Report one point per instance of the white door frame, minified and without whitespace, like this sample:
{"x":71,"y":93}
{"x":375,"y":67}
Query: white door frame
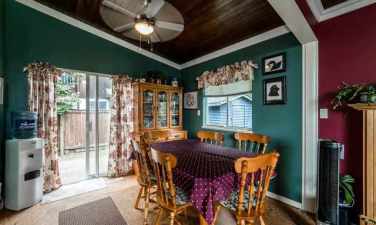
{"x":289,"y":11}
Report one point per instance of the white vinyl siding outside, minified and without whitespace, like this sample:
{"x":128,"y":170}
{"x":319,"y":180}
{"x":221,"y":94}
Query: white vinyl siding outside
{"x":229,"y":112}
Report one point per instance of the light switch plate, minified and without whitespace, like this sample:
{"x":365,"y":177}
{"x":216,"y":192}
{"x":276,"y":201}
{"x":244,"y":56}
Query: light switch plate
{"x":198,"y":113}
{"x":324,"y":114}
{"x":342,"y":154}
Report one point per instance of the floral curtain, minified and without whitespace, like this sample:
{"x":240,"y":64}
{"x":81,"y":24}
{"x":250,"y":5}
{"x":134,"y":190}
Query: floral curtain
{"x":42,"y":79}
{"x":121,"y":126}
{"x":227,"y":74}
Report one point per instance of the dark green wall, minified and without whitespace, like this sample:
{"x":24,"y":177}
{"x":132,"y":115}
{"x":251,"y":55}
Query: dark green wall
{"x":282,"y":122}
{"x":32,"y":36}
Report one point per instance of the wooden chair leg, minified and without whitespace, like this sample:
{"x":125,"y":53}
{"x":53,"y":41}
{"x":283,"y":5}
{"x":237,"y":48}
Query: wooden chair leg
{"x":186,"y":213}
{"x":139,"y":196}
{"x":146,"y":207}
{"x":216,"y":212}
{"x":160,"y":213}
{"x":178,"y":222}
{"x":262,"y":222}
{"x":172,"y":221}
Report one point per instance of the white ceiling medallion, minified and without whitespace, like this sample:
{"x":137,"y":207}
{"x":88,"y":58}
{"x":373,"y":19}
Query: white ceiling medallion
{"x":322,"y":14}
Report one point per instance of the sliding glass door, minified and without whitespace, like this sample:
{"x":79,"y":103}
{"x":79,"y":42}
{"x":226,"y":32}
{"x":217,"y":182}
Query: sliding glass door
{"x":87,"y":121}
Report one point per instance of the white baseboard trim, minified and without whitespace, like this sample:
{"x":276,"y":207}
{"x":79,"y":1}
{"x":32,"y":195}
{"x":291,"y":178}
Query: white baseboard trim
{"x":285,"y":200}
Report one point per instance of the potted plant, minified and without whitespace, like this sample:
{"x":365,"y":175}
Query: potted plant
{"x":346,"y":191}
{"x":346,"y":198}
{"x":346,"y":94}
{"x":371,"y":94}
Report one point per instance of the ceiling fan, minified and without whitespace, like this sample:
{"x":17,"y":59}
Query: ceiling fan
{"x":157,"y":20}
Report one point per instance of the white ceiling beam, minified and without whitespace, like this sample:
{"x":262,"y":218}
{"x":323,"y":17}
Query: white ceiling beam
{"x":294,"y":19}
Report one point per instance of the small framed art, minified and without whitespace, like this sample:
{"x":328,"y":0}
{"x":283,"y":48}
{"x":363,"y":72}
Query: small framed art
{"x":275,"y":91}
{"x":274,"y":64}
{"x":190,"y":100}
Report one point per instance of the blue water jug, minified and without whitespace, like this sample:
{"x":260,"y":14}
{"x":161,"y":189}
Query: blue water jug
{"x":24,"y":125}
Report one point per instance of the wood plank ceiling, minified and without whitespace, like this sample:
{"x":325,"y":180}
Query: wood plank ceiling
{"x":330,"y":3}
{"x":209,"y":24}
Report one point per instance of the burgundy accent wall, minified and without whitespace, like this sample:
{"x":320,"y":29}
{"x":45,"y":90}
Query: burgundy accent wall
{"x":347,"y":52}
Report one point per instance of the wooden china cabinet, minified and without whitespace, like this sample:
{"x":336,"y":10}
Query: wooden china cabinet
{"x":160,"y":110}
{"x":369,"y":161}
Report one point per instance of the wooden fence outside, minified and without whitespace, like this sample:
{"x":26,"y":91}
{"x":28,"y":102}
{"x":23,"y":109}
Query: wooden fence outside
{"x":72,"y":130}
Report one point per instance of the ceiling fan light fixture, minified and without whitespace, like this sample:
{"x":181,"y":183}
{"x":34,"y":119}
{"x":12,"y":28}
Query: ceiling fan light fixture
{"x":144,"y":26}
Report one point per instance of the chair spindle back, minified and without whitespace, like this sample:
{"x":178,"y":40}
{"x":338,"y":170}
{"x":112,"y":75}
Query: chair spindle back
{"x":254,"y":176}
{"x":163,"y":165}
{"x":210,"y":137}
{"x":250,"y":142}
{"x":143,"y":172}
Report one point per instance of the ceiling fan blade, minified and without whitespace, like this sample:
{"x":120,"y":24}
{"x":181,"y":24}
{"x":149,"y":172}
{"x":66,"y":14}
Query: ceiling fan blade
{"x":124,"y":28}
{"x":118,"y":8}
{"x":154,"y":7}
{"x":170,"y":26}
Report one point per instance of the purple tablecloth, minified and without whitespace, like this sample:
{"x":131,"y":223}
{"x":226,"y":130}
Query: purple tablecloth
{"x":206,"y":172}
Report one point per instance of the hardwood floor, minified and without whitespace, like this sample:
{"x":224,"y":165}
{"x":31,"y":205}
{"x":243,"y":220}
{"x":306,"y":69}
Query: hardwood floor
{"x":124,"y":191}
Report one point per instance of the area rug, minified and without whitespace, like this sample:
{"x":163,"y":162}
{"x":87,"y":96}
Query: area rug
{"x":70,"y":190}
{"x":100,"y":212}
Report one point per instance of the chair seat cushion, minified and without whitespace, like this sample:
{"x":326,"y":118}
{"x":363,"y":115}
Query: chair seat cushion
{"x":232,"y":202}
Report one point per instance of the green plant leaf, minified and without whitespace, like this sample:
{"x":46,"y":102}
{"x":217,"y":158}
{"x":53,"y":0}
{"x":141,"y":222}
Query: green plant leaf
{"x":345,"y":185}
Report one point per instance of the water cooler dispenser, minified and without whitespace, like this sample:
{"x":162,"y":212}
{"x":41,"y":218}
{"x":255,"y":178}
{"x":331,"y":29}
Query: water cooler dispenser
{"x":23,"y":163}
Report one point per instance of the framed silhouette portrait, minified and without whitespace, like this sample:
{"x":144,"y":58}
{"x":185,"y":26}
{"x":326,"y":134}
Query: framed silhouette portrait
{"x":275,"y":91}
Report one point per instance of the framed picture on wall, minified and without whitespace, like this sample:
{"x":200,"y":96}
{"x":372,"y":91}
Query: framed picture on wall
{"x":274,"y":64}
{"x":190,"y":100}
{"x":275,"y":92}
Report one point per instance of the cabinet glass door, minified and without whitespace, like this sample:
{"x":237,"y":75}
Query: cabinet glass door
{"x":162,"y":109}
{"x":148,"y":111}
{"x":175,"y":109}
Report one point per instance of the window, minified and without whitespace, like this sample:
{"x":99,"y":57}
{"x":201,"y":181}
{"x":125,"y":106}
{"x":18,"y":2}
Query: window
{"x":229,"y":112}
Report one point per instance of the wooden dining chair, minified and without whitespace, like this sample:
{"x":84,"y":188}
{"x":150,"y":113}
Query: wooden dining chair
{"x":211,"y":137}
{"x":247,"y":204}
{"x":249,"y":142}
{"x":169,"y":198}
{"x":145,"y":177}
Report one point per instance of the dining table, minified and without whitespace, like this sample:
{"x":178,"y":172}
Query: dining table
{"x":204,"y":171}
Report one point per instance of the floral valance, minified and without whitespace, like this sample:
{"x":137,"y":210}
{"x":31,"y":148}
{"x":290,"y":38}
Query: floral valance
{"x":227,"y":74}
{"x":39,"y":69}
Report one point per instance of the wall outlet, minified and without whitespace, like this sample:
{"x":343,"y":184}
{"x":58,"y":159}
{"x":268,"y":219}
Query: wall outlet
{"x":324,"y":114}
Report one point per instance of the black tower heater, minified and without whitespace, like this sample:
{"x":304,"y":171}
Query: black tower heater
{"x":328,"y":180}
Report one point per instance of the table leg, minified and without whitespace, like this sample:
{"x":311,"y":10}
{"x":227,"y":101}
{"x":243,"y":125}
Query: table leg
{"x":202,"y":220}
